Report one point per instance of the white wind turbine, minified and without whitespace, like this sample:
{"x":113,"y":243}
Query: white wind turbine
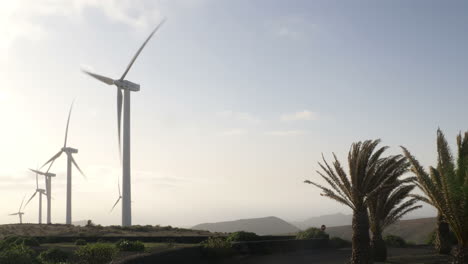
{"x":41,"y":192}
{"x":70,"y":160}
{"x":127,"y":87}
{"x":19,"y":213}
{"x":48,"y":182}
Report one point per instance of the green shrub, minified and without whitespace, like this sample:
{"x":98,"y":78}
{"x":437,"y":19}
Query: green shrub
{"x":432,"y":236}
{"x":217,"y":247}
{"x":312,"y":233}
{"x":126,"y":245}
{"x":242,"y":236}
{"x":16,"y":254}
{"x":337,"y":242}
{"x":15,"y":240}
{"x":80,"y":242}
{"x":394,"y":241}
{"x":96,"y":253}
{"x":53,"y":256}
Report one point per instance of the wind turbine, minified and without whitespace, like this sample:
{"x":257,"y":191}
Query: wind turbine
{"x":41,"y":192}
{"x":70,"y":160}
{"x":120,"y":197}
{"x":127,"y":87}
{"x":19,"y":213}
{"x":48,"y":182}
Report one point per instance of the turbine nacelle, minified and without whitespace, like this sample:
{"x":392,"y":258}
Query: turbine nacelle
{"x":69,"y":150}
{"x":127,"y":85}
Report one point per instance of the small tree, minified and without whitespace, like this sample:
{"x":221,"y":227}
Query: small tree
{"x":368,"y":175}
{"x":446,"y":187}
{"x":386,"y":209}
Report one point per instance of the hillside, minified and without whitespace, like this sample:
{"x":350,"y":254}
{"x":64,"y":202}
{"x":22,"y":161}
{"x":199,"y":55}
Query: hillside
{"x":261,"y":226}
{"x":338,"y":219}
{"x":70,"y":230}
{"x":414,"y":230}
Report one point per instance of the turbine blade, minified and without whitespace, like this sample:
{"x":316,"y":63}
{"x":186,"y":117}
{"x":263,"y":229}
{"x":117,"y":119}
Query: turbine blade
{"x":76,"y":165}
{"x":141,"y":48}
{"x":115,"y":205}
{"x":34,"y":194}
{"x":118,"y":182}
{"x":22,"y":203}
{"x":36,"y":171}
{"x":119,"y":118}
{"x":101,"y":78}
{"x":37,"y":182}
{"x":52,"y":160}
{"x":68,"y":122}
{"x":13,"y":214}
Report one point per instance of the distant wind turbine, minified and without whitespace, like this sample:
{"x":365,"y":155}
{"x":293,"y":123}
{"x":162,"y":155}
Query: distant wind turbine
{"x":70,"y":160}
{"x":126,"y":86}
{"x":19,"y":213}
{"x":48,"y":182}
{"x":41,"y":192}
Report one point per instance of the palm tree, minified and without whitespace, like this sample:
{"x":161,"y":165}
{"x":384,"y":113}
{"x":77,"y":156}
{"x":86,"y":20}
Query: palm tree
{"x":368,"y":175}
{"x":442,"y":242}
{"x":387,"y":208}
{"x":446,"y":187}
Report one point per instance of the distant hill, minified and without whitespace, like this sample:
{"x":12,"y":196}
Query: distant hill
{"x":414,"y":230}
{"x":261,"y":226}
{"x":328,"y":220}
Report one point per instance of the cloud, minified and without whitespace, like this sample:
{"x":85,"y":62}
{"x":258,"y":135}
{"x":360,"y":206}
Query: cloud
{"x":22,"y":18}
{"x":291,"y":26}
{"x":283,"y":133}
{"x":234,"y":132}
{"x":241,"y":116}
{"x":304,"y":115}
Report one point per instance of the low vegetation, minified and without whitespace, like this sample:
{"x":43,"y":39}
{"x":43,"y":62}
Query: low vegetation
{"x":217,"y":247}
{"x":126,"y":245}
{"x":242,"y":236}
{"x":53,"y":256}
{"x":312,"y":233}
{"x":98,"y":253}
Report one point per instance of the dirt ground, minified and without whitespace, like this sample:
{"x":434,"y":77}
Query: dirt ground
{"x":411,"y":255}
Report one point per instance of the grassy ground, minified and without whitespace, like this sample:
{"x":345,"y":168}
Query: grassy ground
{"x":101,"y":231}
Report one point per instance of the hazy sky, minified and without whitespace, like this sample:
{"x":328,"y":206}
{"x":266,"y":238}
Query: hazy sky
{"x":238,"y":99}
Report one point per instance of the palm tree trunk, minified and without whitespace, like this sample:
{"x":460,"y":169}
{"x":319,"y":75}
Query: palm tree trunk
{"x":442,"y":239}
{"x":379,"y":249}
{"x":460,"y":254}
{"x":361,"y":253}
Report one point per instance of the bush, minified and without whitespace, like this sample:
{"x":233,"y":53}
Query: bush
{"x":337,"y":242}
{"x":16,"y":254}
{"x":217,"y":247}
{"x":14,"y":240}
{"x":395,"y":241}
{"x":96,"y":253}
{"x":242,"y":236}
{"x":125,"y":245}
{"x":432,"y":236}
{"x":312,"y":233}
{"x":53,"y":256}
{"x":80,"y":242}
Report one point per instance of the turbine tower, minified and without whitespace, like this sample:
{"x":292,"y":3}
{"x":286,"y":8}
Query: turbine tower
{"x":126,"y":87}
{"x":48,"y":182}
{"x":70,"y":160}
{"x":41,"y":192}
{"x":19,"y":213}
